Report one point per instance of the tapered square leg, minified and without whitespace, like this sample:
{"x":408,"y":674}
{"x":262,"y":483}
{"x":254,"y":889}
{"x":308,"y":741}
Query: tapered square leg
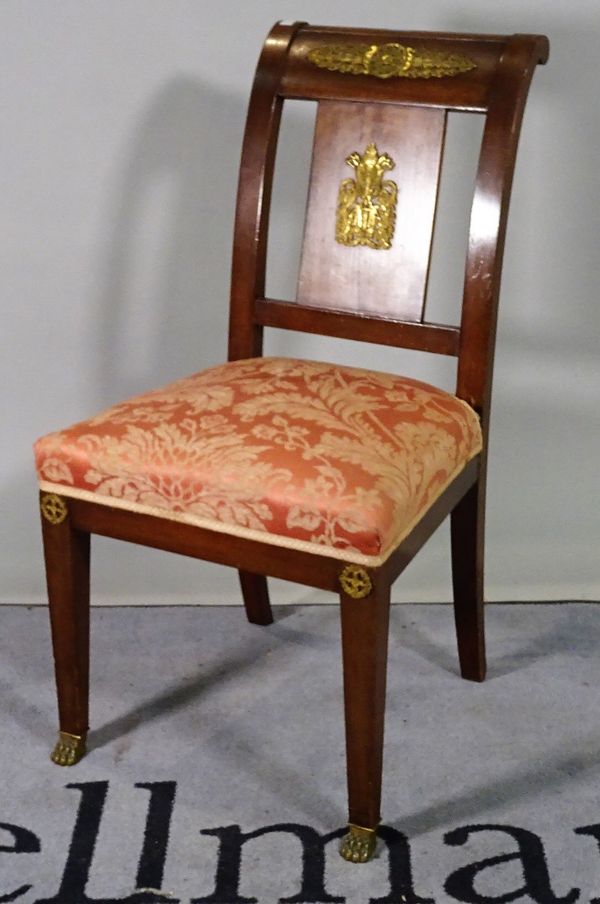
{"x":365,"y":623}
{"x":256,"y":598}
{"x":467,"y":538}
{"x":67,"y":556}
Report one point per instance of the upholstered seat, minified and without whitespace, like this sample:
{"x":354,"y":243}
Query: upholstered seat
{"x":296,"y":453}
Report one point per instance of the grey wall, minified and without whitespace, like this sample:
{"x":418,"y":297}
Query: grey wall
{"x":121,"y":126}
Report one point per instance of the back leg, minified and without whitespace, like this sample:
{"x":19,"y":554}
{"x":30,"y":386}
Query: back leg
{"x":467,"y":538}
{"x":256,"y":598}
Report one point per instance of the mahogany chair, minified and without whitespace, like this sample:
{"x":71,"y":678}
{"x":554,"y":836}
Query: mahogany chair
{"x":326,"y":475}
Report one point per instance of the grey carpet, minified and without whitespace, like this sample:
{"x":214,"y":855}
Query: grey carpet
{"x":234,"y":729}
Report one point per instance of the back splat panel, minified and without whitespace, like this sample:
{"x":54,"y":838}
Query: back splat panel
{"x":371,"y":208}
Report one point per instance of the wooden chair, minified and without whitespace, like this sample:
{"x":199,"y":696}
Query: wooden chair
{"x":330,"y":476}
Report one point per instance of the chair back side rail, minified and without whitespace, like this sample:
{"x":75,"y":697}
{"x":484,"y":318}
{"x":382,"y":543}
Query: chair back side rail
{"x":254,"y":194}
{"x":489,"y":214}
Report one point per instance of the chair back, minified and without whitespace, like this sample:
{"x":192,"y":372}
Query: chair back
{"x":382,"y":105}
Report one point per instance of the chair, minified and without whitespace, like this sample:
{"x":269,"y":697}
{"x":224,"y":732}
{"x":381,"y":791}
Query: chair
{"x":330,"y":476}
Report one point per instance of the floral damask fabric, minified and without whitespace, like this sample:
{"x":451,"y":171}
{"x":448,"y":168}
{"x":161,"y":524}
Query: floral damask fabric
{"x":316,"y":456}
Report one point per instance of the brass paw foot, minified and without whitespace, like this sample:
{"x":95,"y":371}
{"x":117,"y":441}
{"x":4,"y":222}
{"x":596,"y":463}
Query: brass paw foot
{"x":69,"y":749}
{"x":358,"y":845}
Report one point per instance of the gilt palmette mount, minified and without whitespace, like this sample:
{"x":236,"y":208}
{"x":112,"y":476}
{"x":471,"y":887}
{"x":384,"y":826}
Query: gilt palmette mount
{"x":389,"y":61}
{"x":366,"y":207}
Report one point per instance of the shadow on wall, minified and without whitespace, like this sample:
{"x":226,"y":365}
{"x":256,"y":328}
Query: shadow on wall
{"x":163,"y":276}
{"x":552,"y":264}
{"x":162,"y":308}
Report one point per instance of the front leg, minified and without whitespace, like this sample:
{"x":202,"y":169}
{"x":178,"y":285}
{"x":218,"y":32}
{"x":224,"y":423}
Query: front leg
{"x":67,"y":557}
{"x":365,"y":607}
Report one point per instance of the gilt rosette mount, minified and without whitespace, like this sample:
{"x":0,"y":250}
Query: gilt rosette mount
{"x":355,"y":582}
{"x":366,"y":205}
{"x":53,"y":508}
{"x":389,"y":61}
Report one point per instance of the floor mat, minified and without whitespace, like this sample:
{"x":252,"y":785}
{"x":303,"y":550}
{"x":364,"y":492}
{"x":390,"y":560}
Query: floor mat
{"x":216,"y":768}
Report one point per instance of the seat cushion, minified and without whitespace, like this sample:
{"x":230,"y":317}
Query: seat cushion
{"x":336,"y":460}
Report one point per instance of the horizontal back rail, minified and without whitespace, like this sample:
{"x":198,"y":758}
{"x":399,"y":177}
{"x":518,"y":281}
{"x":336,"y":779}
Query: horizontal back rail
{"x":432,"y":337}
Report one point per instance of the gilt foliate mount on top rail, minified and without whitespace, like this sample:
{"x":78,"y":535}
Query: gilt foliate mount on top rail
{"x":389,"y":61}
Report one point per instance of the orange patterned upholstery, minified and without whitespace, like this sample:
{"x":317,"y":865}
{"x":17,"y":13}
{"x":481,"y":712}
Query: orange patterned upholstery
{"x":302,"y":454}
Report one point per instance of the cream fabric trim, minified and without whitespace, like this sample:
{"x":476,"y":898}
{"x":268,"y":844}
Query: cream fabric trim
{"x":354,"y":558}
